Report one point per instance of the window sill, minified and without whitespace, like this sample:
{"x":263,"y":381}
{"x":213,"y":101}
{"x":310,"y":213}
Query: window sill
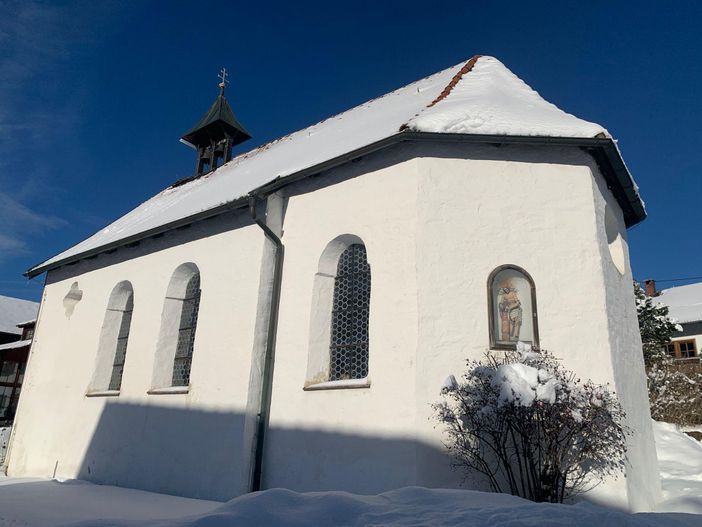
{"x":169,"y":390}
{"x":103,"y":393}
{"x":339,"y":385}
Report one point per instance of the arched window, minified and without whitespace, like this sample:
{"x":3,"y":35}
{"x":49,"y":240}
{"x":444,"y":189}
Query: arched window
{"x":339,"y":338}
{"x":174,"y":352}
{"x":348,"y":349}
{"x":122,"y":339}
{"x":186,"y":332}
{"x":114,"y":336}
{"x":512,"y":308}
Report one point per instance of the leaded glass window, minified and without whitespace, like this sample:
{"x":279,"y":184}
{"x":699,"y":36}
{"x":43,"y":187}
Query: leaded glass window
{"x":121,"y":348}
{"x":348,"y":349}
{"x":186,"y":332}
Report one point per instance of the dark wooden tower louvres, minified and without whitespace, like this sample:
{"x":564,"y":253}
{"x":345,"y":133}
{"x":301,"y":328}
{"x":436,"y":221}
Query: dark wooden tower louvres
{"x":216,"y":134}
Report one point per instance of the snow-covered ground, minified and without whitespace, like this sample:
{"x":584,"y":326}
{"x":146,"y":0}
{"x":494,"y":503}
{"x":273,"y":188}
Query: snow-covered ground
{"x":680,"y":463}
{"x":38,"y":503}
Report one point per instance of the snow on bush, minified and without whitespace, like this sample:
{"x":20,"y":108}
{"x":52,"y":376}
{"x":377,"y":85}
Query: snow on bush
{"x":531,"y":427}
{"x":675,"y":392}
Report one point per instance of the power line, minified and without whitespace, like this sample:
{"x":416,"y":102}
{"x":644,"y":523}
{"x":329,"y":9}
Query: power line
{"x":675,"y":279}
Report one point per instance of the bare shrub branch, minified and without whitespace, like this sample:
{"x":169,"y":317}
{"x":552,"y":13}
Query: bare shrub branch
{"x":531,"y":428}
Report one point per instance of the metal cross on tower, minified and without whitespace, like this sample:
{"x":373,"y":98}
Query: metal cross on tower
{"x":224,"y":81}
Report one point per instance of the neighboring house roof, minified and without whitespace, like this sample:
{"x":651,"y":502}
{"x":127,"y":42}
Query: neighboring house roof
{"x":15,"y":345}
{"x":13,"y":311}
{"x":479,"y":100}
{"x":684,"y":302}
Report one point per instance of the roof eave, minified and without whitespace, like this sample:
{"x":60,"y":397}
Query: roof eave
{"x":136,"y":238}
{"x":603,"y":150}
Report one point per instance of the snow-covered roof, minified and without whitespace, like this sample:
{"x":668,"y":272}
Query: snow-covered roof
{"x":684,"y":302}
{"x":13,"y":311}
{"x":478,"y":97}
{"x":15,"y":345}
{"x":487,"y":98}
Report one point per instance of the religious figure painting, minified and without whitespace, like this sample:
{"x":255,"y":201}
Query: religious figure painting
{"x":512,"y":308}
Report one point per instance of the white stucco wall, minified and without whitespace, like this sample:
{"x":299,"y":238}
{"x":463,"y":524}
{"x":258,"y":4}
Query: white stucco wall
{"x":536,"y":211}
{"x":177,"y":443}
{"x":506,"y":206}
{"x":643,"y":480}
{"x":435,"y":220}
{"x":435,"y":227}
{"x":359,"y":439}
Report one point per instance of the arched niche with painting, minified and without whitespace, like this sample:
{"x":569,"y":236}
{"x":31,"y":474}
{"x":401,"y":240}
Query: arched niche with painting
{"x":512,"y":308}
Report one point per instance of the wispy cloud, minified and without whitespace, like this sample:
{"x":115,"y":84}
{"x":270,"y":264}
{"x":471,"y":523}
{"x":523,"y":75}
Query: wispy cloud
{"x":17,"y":223}
{"x":11,"y":245}
{"x":24,"y":52}
{"x":37,"y":38}
{"x":30,"y":43}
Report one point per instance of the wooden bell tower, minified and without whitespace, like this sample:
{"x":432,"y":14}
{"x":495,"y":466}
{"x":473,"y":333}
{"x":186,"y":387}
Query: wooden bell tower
{"x":216,"y":133}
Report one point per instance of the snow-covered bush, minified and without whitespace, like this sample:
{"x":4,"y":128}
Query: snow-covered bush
{"x":675,"y":392}
{"x":531,"y":427}
{"x":656,"y":326}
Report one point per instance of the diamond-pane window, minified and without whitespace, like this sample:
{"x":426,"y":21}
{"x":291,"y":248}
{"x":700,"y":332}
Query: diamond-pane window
{"x":121,"y":345}
{"x":348,"y":349}
{"x":186,"y":332}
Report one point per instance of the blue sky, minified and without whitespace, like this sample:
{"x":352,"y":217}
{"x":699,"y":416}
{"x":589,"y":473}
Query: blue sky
{"x":95,"y":95}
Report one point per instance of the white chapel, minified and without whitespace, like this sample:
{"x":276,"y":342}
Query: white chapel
{"x":287,"y":316}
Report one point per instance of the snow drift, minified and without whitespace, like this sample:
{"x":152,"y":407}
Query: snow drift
{"x":38,"y":503}
{"x":411,"y":506}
